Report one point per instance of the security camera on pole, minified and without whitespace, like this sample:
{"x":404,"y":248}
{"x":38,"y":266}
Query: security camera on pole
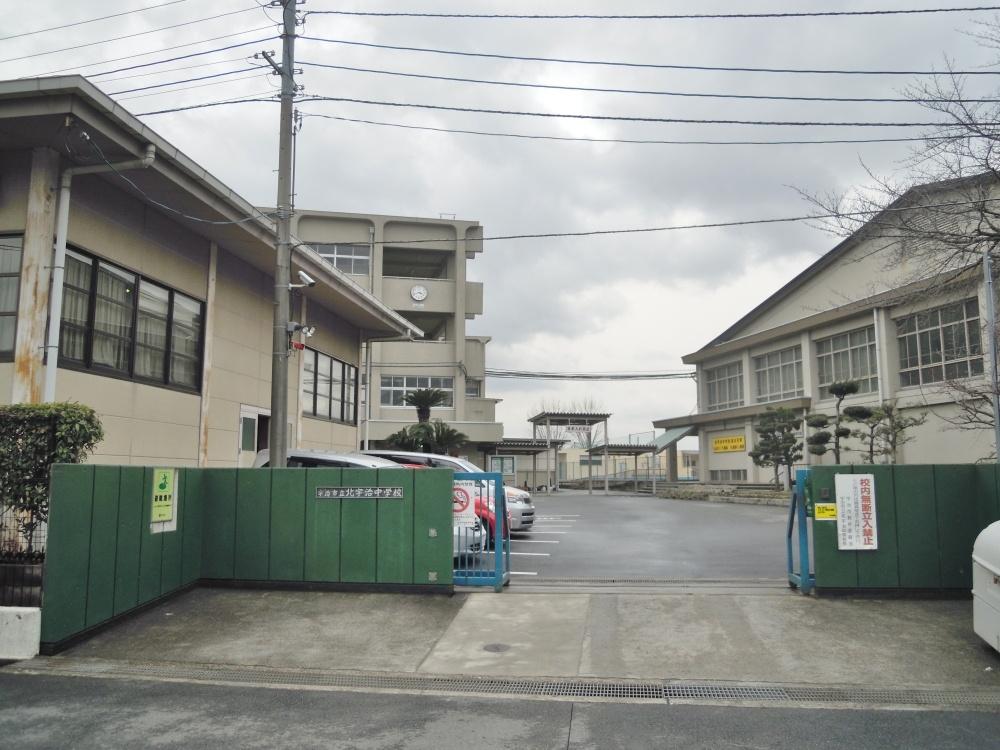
{"x":277,"y":439}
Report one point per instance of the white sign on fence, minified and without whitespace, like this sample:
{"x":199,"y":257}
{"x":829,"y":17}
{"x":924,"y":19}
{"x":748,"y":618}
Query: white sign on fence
{"x":463,"y":502}
{"x":856,"y":523}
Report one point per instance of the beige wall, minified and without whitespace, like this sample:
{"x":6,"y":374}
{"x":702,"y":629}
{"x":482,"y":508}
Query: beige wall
{"x":15,"y":169}
{"x":6,"y":381}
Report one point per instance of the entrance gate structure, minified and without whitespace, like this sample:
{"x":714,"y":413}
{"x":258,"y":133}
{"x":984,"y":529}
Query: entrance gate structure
{"x":580,"y":423}
{"x":489,"y":565}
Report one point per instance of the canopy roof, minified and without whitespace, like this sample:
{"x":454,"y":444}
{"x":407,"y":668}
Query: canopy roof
{"x":568,"y":418}
{"x":622,"y":449}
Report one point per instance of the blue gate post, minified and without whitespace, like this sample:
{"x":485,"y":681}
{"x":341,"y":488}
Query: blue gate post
{"x":480,"y":569}
{"x":804,"y":580}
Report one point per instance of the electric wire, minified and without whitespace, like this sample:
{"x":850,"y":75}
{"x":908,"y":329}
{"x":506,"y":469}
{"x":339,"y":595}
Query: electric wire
{"x":199,"y":86}
{"x":655,"y":66}
{"x":207,"y":105}
{"x":635,"y":141}
{"x":89,"y":20}
{"x":659,"y":16}
{"x":126,"y":36}
{"x":633,"y":118}
{"x":187,"y":80}
{"x":79,"y":66}
{"x":147,"y":74}
{"x":645,"y":92}
{"x":171,"y":209}
{"x":605,"y":376}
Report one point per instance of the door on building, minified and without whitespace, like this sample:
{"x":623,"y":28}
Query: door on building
{"x":254,"y":426}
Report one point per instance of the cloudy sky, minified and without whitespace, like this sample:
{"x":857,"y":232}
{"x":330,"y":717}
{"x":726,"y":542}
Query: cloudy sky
{"x":604,"y":303}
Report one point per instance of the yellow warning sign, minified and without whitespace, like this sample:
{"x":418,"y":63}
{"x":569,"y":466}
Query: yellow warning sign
{"x":729,"y":444}
{"x":826,"y":511}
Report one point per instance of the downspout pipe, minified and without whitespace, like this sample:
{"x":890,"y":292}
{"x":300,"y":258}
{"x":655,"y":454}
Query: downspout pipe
{"x":59,"y":258}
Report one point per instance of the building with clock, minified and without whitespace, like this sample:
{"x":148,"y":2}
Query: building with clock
{"x":416,"y":267}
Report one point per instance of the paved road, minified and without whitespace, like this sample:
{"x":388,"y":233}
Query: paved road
{"x":598,"y":536}
{"x":80,"y":713}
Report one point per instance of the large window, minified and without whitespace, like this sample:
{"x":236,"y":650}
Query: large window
{"x":778,"y":374}
{"x":10,"y":280}
{"x":114,"y":321}
{"x":346,"y":258}
{"x":724,"y":386}
{"x":940,"y":344}
{"x":329,"y":388}
{"x":848,"y":356}
{"x":395,"y":388}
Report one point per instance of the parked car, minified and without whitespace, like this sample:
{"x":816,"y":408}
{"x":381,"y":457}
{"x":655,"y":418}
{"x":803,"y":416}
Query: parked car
{"x":465,"y":540}
{"x":520,"y":509}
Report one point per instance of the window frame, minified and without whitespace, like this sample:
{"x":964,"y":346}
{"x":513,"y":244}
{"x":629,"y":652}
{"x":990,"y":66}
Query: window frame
{"x":404,"y":388}
{"x":783,"y":393}
{"x":348,"y":390}
{"x":867,"y":383}
{"x":332,"y":252}
{"x":711,"y":378}
{"x":8,"y":355}
{"x":942,"y":363}
{"x":129,"y":373}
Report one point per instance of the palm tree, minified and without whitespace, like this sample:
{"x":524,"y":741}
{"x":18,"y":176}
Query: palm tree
{"x":446,"y":439}
{"x":427,"y":437}
{"x":424,"y":400}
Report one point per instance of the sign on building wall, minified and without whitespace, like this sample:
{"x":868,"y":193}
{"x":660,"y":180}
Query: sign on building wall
{"x":163,"y":498}
{"x":729,"y":444}
{"x":856,"y":524}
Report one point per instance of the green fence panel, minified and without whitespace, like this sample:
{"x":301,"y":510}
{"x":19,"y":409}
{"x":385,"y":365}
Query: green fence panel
{"x":432,"y":527}
{"x":171,"y":560}
{"x":955,"y":487}
{"x":253,"y":521}
{"x":103,"y":544}
{"x":987,"y":495}
{"x":67,"y":556}
{"x":916,"y":527}
{"x":288,"y":525}
{"x":358,"y":529}
{"x":834,"y":568}
{"x":193,"y":510}
{"x":322,"y":527}
{"x":129,"y":538}
{"x":151,"y":547}
{"x":880,"y":569}
{"x":395,"y":528}
{"x":218,"y":490}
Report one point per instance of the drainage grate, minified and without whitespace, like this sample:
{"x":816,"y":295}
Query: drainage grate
{"x":739,"y":582}
{"x":579,"y":689}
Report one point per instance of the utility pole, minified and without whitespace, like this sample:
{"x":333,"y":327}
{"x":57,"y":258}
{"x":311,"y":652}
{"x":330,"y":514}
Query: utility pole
{"x":278,"y":433}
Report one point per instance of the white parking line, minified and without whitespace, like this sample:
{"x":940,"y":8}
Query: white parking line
{"x":554,"y":526}
{"x":522,"y":573}
{"x":532,"y":554}
{"x":566,"y":515}
{"x":536,"y":541}
{"x":549,"y":532}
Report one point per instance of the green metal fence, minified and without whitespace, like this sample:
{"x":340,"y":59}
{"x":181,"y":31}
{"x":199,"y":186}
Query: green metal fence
{"x":283,"y":526}
{"x":928,"y":518}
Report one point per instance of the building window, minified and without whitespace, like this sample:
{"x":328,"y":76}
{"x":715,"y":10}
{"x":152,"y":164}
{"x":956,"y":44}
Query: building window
{"x":940,"y":344}
{"x":10,"y":282}
{"x":395,"y":388}
{"x":727,"y":475}
{"x":473,"y":388}
{"x":117,"y":322}
{"x":725,"y":386}
{"x":329,"y":388}
{"x":505,"y":465}
{"x":778,"y":374}
{"x":346,"y":258}
{"x":848,"y":356}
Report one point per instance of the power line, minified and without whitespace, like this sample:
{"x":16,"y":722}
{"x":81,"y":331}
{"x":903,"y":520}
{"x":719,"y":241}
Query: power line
{"x":206,"y":105}
{"x":172,"y":70}
{"x":171,"y":209}
{"x":637,"y":141}
{"x":197,"y":86}
{"x":657,"y":66}
{"x":647,"y":92}
{"x":607,"y":376}
{"x":78,"y":66}
{"x":186,"y":80}
{"x":181,"y":57}
{"x":658,"y":16}
{"x":127,"y":36}
{"x":626,"y":118}
{"x":89,"y":20}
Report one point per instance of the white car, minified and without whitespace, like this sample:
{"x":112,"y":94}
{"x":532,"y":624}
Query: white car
{"x":519,"y":506}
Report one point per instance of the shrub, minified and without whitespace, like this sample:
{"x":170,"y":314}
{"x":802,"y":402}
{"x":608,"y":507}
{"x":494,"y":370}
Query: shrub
{"x":32,"y":438}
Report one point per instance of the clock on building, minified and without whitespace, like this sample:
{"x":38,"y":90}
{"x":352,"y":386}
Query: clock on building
{"x":418,"y":292}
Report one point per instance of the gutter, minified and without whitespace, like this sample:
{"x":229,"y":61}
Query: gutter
{"x":59,"y":258}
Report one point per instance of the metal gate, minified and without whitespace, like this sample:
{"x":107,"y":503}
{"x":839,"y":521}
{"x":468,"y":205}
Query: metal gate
{"x":482,"y":551}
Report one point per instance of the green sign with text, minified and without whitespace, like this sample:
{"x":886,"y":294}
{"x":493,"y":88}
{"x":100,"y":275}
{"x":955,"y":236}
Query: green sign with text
{"x":163,"y":495}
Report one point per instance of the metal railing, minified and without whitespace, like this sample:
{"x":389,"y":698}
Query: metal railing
{"x":489,"y":563}
{"x":22,"y":555}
